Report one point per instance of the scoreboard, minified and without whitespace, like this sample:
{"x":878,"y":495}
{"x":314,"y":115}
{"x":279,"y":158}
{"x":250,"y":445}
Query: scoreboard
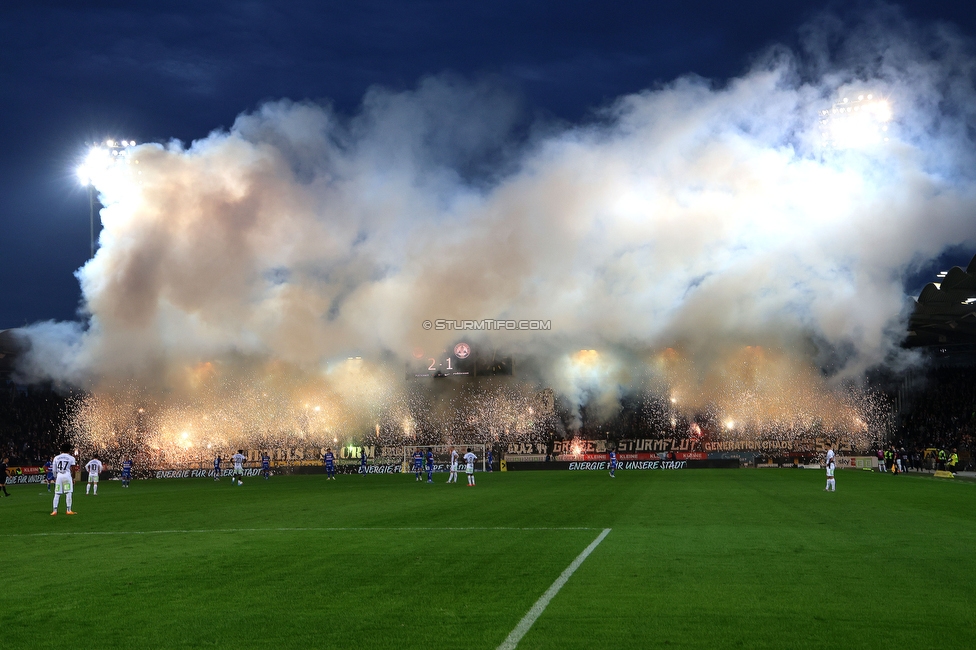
{"x":458,"y":360}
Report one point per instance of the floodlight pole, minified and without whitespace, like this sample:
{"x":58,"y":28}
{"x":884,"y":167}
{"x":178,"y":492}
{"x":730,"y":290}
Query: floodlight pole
{"x":91,"y":218}
{"x":115,"y":152}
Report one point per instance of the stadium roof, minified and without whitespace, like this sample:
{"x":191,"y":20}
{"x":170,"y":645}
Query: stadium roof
{"x":945,"y":311}
{"x":11,"y":344}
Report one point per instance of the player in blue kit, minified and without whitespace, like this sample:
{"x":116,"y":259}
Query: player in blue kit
{"x":418,"y":463}
{"x":329,"y":460}
{"x":266,"y":466}
{"x":49,"y":475}
{"x":430,"y":465}
{"x":363,"y":460}
{"x":126,"y":472}
{"x":613,"y":463}
{"x":217,"y":468}
{"x":490,"y":459}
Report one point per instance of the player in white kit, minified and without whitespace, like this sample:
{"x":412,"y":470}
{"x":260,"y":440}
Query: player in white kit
{"x":831,"y":484}
{"x":238,"y":459}
{"x":94,"y":468}
{"x":469,"y":459}
{"x":63,"y":484}
{"x":454,"y":463}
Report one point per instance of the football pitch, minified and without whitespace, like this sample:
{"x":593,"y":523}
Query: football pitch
{"x":697,"y":558}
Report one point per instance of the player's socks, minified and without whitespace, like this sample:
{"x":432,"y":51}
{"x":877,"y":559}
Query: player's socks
{"x":57,"y":500}
{"x":95,"y":489}
{"x":87,"y":487}
{"x":67,"y":501}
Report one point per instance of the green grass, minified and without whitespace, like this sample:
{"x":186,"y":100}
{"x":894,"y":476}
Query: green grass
{"x":704,"y":558}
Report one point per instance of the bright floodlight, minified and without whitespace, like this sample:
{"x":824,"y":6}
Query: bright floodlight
{"x":855,"y":124}
{"x":100,"y":158}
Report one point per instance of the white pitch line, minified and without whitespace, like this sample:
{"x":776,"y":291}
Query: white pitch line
{"x":190,"y":531}
{"x":540,"y":605}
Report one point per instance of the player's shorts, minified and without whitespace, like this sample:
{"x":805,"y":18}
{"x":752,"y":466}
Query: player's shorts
{"x":469,"y":468}
{"x":454,"y":467}
{"x":49,"y":477}
{"x":92,"y":478}
{"x":63,"y":484}
{"x":126,"y":476}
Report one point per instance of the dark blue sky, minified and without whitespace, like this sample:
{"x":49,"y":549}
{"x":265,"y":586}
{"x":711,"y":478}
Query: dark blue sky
{"x":72,"y":72}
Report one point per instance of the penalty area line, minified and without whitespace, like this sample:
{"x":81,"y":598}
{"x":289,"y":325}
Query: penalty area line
{"x":540,"y":605}
{"x":197,"y":531}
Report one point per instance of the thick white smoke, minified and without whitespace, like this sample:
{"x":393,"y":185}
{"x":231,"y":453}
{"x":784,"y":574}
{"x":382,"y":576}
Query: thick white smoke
{"x":695,"y":214}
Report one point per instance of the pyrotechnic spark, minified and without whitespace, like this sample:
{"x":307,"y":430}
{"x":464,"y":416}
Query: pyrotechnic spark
{"x":770,"y":397}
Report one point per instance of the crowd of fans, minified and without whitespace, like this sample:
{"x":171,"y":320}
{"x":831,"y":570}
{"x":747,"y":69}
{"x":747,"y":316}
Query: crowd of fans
{"x":940,"y":415}
{"x":30,"y":423}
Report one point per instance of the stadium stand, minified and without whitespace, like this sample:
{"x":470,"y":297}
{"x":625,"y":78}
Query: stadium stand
{"x":30,"y":422}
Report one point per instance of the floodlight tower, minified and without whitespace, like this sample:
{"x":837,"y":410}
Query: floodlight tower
{"x":101,"y":156}
{"x":855,"y":123}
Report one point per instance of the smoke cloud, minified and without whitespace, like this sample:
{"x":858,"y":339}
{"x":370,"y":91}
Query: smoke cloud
{"x":696,"y":215}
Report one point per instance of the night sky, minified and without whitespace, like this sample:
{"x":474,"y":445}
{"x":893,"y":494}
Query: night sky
{"x":74,"y":72}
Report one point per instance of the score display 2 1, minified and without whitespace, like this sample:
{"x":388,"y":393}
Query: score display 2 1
{"x":455,"y":361}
